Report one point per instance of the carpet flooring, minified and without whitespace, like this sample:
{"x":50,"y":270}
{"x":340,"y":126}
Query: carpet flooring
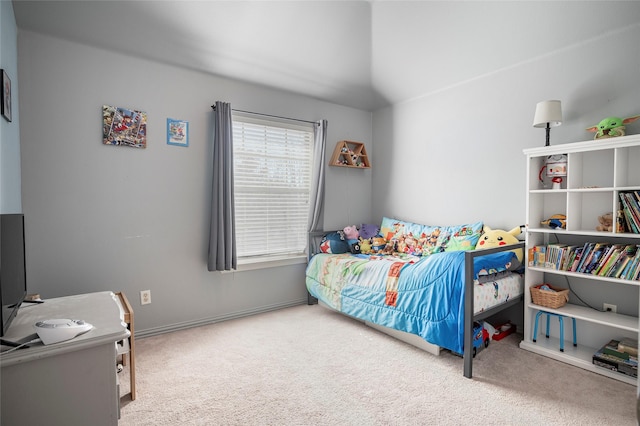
{"x":307,"y":365}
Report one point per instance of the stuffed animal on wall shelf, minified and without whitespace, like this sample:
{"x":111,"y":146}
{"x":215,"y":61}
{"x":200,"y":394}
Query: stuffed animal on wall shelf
{"x":611,"y":127}
{"x":498,"y":237}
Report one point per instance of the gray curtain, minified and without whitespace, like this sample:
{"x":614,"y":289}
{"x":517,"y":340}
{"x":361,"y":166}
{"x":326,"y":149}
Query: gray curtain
{"x":317,"y":182}
{"x":222,"y":233}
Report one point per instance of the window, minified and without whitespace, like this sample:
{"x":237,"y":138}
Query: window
{"x":272,"y":174}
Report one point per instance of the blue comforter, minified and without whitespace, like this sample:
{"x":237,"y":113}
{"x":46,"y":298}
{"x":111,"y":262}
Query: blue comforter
{"x":422,"y":296}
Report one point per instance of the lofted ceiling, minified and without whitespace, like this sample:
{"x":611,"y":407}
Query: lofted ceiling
{"x":363,"y":54}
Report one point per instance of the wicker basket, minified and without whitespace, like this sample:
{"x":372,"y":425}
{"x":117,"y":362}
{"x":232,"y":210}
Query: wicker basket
{"x":549,"y":299}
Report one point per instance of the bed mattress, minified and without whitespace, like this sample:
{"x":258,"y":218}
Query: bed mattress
{"x":494,"y":292}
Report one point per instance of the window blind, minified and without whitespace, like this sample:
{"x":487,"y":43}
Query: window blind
{"x":272,"y":174}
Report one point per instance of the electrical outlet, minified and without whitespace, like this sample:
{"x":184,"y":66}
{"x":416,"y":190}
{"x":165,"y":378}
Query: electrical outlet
{"x":145,"y":297}
{"x":607,"y":307}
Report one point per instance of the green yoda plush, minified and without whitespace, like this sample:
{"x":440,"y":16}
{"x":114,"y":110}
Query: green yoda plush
{"x":611,"y":127}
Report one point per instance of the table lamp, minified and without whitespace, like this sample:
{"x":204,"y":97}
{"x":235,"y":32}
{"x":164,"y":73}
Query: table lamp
{"x":548,"y":114}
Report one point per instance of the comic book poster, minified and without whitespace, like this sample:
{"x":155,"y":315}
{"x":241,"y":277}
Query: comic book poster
{"x":122,"y":126}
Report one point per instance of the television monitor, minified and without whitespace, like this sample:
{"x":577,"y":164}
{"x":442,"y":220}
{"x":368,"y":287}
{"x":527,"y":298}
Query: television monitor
{"x":13,"y":276}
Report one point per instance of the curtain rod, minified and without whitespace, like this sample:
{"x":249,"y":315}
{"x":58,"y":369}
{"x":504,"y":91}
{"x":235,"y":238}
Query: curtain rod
{"x":267,"y":115}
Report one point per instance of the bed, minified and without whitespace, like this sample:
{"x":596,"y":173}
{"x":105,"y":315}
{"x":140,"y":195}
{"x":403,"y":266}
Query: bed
{"x":434,"y":293}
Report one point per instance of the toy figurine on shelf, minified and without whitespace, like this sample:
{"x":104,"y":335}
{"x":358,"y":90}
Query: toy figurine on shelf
{"x":556,"y":169}
{"x":611,"y":127}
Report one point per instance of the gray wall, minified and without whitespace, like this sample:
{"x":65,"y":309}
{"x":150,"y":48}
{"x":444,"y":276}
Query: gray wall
{"x":106,"y":217}
{"x":10,"y":200}
{"x":455,"y":155}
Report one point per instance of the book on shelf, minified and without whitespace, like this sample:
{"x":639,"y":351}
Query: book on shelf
{"x":554,"y":251}
{"x":576,"y":261}
{"x":568,"y":255}
{"x":602,"y":259}
{"x":587,"y":252}
{"x":596,"y":254}
{"x":630,"y":202}
{"x":628,"y":273}
{"x":629,"y":253}
{"x":614,"y":253}
{"x":617,"y":270}
{"x":611,"y":358}
{"x":606,"y":256}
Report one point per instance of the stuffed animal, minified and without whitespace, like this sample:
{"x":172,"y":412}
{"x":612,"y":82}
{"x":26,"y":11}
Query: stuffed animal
{"x":378,"y":244}
{"x":611,"y":127}
{"x":334,"y":242}
{"x":351,"y":232}
{"x":365,"y":246}
{"x":556,"y":221}
{"x":368,"y":230}
{"x":606,"y":222}
{"x":497,"y":237}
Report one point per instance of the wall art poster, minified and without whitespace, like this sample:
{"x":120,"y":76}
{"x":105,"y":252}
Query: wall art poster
{"x":6,"y":96}
{"x":177,"y":132}
{"x":122,"y":126}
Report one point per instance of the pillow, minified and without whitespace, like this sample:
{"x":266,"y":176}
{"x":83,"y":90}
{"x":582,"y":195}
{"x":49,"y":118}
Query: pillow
{"x":460,"y":237}
{"x":431,"y":239}
{"x":408,"y":237}
{"x":393,"y":228}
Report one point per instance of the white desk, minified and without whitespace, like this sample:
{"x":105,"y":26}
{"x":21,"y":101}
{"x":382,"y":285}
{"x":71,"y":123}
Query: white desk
{"x":67,"y":383}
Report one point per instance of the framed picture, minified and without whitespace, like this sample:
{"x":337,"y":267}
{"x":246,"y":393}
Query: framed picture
{"x":177,"y":132}
{"x":124,"y":127}
{"x":6,"y":96}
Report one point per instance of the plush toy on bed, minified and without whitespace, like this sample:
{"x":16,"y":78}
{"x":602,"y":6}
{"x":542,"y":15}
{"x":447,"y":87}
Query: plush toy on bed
{"x":335,"y":243}
{"x":378,"y":244}
{"x":365,"y":246}
{"x":351,"y":234}
{"x":368,"y":230}
{"x":498,"y":237}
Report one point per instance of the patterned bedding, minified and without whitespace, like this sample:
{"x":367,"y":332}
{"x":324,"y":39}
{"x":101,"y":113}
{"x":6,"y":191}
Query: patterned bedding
{"x":419,"y":295}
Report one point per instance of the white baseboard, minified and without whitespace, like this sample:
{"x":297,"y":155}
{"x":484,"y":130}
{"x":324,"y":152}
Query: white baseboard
{"x":212,"y":320}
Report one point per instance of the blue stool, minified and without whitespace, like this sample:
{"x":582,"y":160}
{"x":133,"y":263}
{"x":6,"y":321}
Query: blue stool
{"x":561,"y":319}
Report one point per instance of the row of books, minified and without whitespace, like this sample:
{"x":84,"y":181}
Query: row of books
{"x":629,"y":213}
{"x":618,"y":355}
{"x":602,"y":259}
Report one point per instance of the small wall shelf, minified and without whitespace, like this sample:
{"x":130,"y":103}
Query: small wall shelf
{"x":350,"y":154}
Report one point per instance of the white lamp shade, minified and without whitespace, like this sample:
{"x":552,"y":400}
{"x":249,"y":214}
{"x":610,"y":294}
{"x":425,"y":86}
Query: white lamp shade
{"x":548,"y":112}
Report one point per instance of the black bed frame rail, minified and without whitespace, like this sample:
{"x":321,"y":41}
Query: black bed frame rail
{"x":469,"y":256}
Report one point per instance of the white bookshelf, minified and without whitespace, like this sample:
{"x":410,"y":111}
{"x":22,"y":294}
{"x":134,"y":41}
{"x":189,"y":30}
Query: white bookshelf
{"x":597,"y":172}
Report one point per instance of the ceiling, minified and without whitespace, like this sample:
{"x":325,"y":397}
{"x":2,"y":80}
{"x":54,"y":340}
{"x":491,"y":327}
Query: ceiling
{"x":363,"y":54}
